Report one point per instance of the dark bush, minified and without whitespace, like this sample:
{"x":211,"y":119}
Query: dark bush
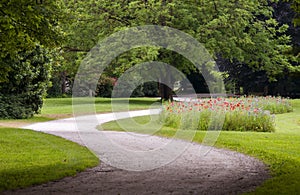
{"x":105,"y":86}
{"x":19,"y":106}
{"x":22,"y":92}
{"x":150,"y":89}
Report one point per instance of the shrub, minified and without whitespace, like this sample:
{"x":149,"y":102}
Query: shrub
{"x":150,"y":89}
{"x":22,"y":92}
{"x":19,"y":106}
{"x":276,"y":105}
{"x":105,"y":86}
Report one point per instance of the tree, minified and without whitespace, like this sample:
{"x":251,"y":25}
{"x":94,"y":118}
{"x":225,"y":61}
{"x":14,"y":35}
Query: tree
{"x":24,"y":23}
{"x":29,"y":33}
{"x":22,"y":94}
{"x":284,"y":82}
{"x":295,"y":5}
{"x":243,"y":31}
{"x":288,"y":82}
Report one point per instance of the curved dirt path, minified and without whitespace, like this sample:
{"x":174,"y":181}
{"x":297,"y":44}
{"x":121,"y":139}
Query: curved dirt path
{"x":219,"y":172}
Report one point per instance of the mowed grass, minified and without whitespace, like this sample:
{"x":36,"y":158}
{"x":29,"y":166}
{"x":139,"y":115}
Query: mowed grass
{"x":57,"y":108}
{"x":279,"y":150}
{"x":29,"y":158}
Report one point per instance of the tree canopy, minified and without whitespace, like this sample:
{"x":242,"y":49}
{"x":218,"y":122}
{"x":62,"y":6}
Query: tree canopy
{"x":252,"y":37}
{"x":243,"y":31}
{"x":29,"y":35}
{"x":23,"y":24}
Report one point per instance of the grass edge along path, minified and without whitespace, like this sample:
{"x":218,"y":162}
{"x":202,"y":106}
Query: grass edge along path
{"x":280,"y":150}
{"x":29,"y":158}
{"x":58,"y":108}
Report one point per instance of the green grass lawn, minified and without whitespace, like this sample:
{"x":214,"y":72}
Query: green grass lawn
{"x":29,"y":157}
{"x":56,"y":108}
{"x":279,"y":150}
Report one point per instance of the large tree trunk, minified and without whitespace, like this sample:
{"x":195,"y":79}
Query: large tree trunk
{"x":165,"y":92}
{"x":165,"y":84}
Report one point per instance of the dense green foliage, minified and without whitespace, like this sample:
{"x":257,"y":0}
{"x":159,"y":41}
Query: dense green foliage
{"x":241,"y":32}
{"x":21,"y":95}
{"x":295,"y":6}
{"x":242,"y":79}
{"x":252,"y":40}
{"x":105,"y":86}
{"x":29,"y":158}
{"x":29,"y":30}
{"x":23,"y":24}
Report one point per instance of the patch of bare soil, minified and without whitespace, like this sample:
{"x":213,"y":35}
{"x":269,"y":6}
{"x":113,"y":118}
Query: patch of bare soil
{"x":14,"y":124}
{"x":58,"y":116}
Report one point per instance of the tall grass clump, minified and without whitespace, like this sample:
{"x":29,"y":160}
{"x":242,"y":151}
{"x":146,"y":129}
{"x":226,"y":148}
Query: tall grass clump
{"x":231,"y":114}
{"x":276,"y":105}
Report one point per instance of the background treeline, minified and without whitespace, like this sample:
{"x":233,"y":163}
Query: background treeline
{"x":255,"y":44}
{"x":240,"y":76}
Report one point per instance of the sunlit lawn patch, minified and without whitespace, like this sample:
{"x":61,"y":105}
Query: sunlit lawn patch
{"x":28,"y":157}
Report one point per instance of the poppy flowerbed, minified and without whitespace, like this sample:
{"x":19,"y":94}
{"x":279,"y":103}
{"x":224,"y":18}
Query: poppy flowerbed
{"x":230,"y":114}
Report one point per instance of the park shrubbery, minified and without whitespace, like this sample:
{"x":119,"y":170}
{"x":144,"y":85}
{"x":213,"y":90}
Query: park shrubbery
{"x":22,"y":92}
{"x":105,"y":86}
{"x":19,"y":106}
{"x":236,"y":114}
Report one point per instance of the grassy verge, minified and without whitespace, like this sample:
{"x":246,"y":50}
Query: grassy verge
{"x":56,"y":108}
{"x":279,"y":150}
{"x":29,"y":158}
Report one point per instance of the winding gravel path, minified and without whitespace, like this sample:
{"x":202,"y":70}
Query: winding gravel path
{"x":218,"y":172}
